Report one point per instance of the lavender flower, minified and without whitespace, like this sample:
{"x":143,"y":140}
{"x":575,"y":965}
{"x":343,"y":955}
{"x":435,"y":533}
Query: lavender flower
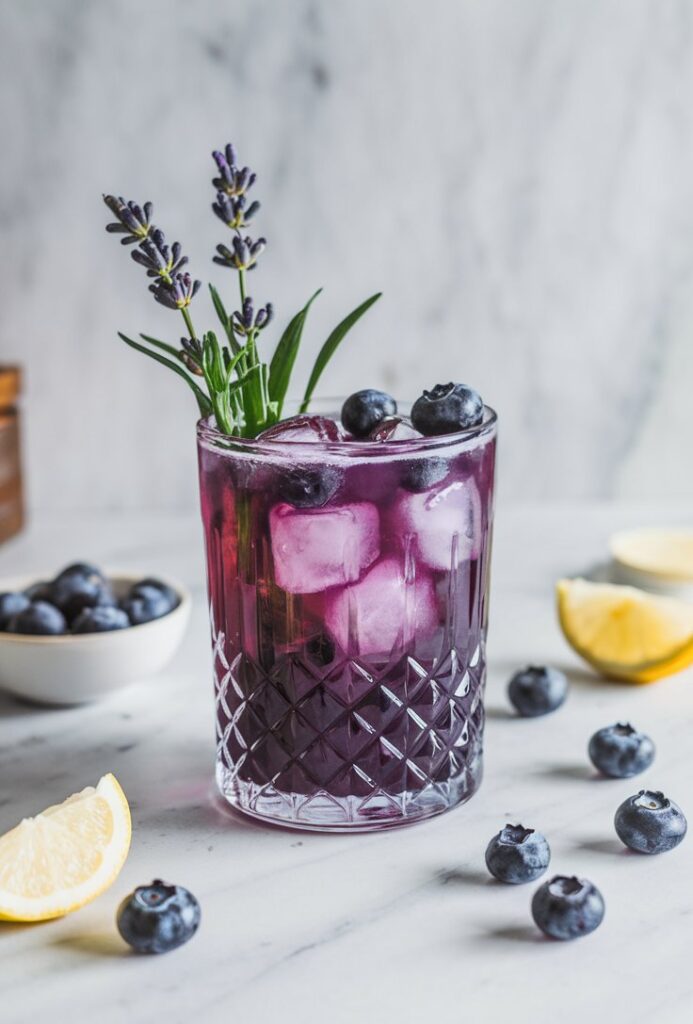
{"x":244,"y":255}
{"x":157,"y":257}
{"x":133,"y":221}
{"x":176,"y":294}
{"x":232,"y":180}
{"x":248,"y":320}
{"x":232,"y":210}
{"x":191,"y":355}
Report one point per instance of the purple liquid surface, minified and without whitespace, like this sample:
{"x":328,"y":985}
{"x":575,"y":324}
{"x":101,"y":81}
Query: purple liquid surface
{"x":349,"y":639}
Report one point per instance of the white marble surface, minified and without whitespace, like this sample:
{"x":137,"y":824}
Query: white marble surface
{"x":404,"y":926}
{"x":516,"y":177}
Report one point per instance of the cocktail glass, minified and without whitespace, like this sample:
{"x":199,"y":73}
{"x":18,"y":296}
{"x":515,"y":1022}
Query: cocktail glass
{"x":348,"y":636}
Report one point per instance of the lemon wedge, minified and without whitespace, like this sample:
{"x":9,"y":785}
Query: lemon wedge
{"x":626,"y":633}
{"x":63,"y":858}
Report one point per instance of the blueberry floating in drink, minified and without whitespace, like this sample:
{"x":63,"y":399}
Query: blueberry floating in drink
{"x":365,"y":410}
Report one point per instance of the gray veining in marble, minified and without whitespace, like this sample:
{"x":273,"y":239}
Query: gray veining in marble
{"x":516,"y":176}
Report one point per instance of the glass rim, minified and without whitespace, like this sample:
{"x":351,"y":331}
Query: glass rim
{"x":209,"y":435}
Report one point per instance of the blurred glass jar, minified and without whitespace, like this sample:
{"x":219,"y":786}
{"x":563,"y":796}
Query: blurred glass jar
{"x":11,"y":491}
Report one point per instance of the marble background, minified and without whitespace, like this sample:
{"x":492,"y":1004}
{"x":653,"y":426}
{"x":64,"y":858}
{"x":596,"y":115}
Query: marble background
{"x":517,"y":177}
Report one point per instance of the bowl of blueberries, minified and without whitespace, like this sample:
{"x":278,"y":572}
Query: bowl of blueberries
{"x":82,"y":634}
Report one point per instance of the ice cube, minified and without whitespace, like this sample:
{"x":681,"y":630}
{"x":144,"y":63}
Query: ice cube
{"x":317,"y":548}
{"x":303,"y":430}
{"x":445,"y":523}
{"x":383,"y":611}
{"x":394,"y":428}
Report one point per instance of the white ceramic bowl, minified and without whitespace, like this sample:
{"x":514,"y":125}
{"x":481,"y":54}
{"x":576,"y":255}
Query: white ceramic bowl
{"x":83,"y":668}
{"x":658,"y":560}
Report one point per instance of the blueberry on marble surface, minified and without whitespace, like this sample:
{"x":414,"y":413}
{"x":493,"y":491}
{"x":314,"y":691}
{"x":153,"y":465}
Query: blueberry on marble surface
{"x":158,"y":918}
{"x":620,"y":751}
{"x":39,"y":619}
{"x":650,"y":823}
{"x":447,"y":408}
{"x":537,"y":690}
{"x":567,"y":907}
{"x":309,"y":486}
{"x":517,"y":855}
{"x":11,"y":604}
{"x":363,"y":410}
{"x":102,"y":619}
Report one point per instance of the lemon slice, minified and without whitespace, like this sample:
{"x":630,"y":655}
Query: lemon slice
{"x":626,"y":633}
{"x":63,"y":858}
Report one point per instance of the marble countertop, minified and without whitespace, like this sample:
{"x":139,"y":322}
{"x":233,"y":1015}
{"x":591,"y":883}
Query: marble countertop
{"x":400,"y":926}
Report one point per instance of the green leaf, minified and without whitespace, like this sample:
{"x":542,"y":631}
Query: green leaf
{"x":204,"y":404}
{"x":162,"y":345}
{"x":224,"y":319}
{"x":330,"y":347}
{"x":251,"y":389}
{"x":285,"y":355}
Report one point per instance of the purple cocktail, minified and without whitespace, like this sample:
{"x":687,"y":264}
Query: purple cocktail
{"x":348,"y":585}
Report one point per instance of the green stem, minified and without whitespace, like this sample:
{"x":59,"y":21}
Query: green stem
{"x":188,"y":323}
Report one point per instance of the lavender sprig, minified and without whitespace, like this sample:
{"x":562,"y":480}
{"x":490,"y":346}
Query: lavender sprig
{"x":132,"y":220}
{"x":233,"y":210}
{"x":247,"y":320}
{"x":242,"y":256}
{"x":158,"y":258}
{"x":177,"y":292}
{"x":244,"y":393}
{"x":232,"y":179}
{"x":191,"y":355}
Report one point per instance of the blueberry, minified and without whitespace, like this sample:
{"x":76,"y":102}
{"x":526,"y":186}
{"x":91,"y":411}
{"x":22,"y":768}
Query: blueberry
{"x":619,"y":751}
{"x":151,"y":588}
{"x":147,"y":605}
{"x":447,"y":409}
{"x":101,"y":619}
{"x":83,"y":569}
{"x":157,"y":918}
{"x":11,"y":604}
{"x":364,"y":409}
{"x":309,"y":487}
{"x":72,"y":593}
{"x":424,"y":473}
{"x":320,"y":649}
{"x":566,"y":908}
{"x":517,"y":855}
{"x":650,"y":823}
{"x":40,"y":591}
{"x":40,"y":618}
{"x":537,"y":690}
